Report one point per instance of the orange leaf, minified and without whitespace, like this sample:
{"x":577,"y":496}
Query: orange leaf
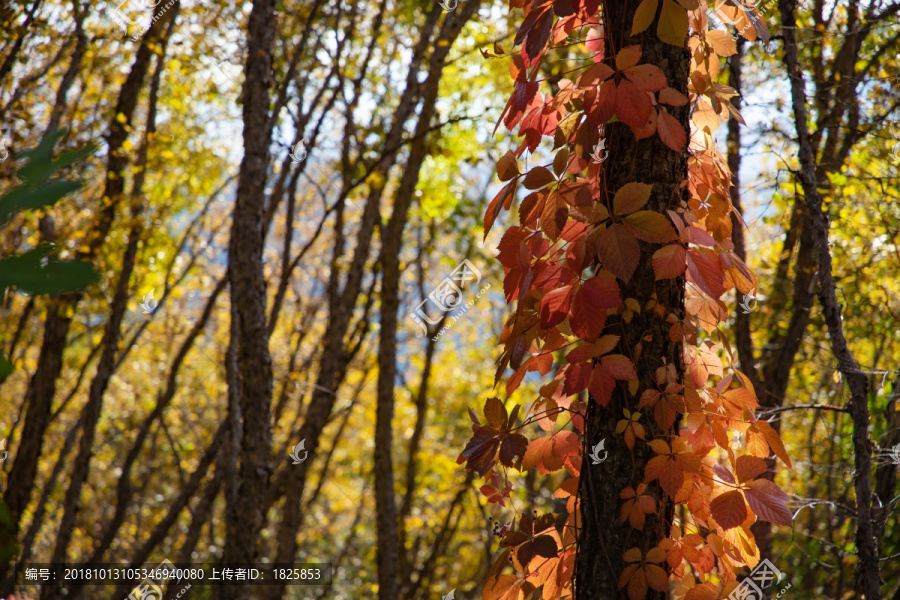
{"x":672,"y":97}
{"x":669,"y":261}
{"x":774,"y":441}
{"x":502,"y":587}
{"x":670,"y":131}
{"x":628,"y":57}
{"x":749,"y":467}
{"x":495,"y":412}
{"x":649,"y":78}
{"x":706,"y":272}
{"x":637,"y":586}
{"x":657,"y":578}
{"x":705,"y":591}
{"x":594,"y":75}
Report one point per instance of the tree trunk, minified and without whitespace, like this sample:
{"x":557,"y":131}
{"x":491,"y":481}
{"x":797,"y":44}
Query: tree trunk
{"x":603,"y":539}
{"x":246,"y":515}
{"x":392,"y":243}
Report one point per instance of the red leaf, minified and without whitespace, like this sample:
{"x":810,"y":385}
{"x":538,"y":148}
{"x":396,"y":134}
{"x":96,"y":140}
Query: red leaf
{"x":538,"y":177}
{"x":501,"y":200}
{"x":538,"y":36}
{"x":749,"y":467}
{"x":601,"y":102}
{"x":577,"y":377}
{"x":555,"y":306}
{"x":601,"y":385}
{"x":585,"y":318}
{"x":619,"y":367}
{"x":768,"y":501}
{"x":729,"y":510}
{"x":602,"y":291}
{"x":632,"y":105}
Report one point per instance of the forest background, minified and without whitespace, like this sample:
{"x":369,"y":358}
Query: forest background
{"x":373,"y":163}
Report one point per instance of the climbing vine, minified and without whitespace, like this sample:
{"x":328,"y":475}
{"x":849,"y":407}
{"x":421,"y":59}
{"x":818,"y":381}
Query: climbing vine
{"x":575,"y":241}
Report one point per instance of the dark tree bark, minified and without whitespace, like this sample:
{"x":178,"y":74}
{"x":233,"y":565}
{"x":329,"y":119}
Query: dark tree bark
{"x":603,"y":539}
{"x":246,"y":513}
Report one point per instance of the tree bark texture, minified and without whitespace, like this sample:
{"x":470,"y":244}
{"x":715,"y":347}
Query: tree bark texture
{"x":603,"y":539}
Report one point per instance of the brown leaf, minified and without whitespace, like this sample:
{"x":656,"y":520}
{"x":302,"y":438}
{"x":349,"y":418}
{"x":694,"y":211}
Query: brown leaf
{"x":729,"y":509}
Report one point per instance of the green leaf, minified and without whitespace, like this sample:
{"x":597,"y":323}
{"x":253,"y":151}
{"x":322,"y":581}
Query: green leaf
{"x":29,"y":198}
{"x":34,"y":273}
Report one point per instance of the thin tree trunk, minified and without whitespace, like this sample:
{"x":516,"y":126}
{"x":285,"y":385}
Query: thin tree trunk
{"x":867,"y":569}
{"x":603,"y":538}
{"x":392,"y":244}
{"x":246,"y":516}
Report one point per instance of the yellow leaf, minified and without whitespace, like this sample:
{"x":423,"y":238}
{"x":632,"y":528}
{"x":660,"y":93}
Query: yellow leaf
{"x":673,"y":24}
{"x":643,"y":16}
